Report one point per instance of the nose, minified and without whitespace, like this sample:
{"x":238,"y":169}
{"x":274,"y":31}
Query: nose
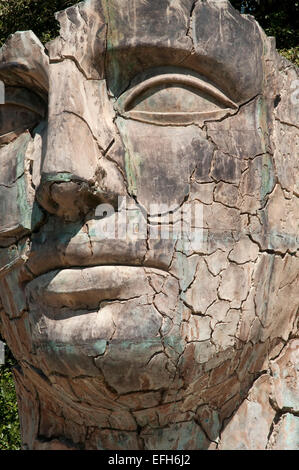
{"x":71,"y":196}
{"x":68,"y":168}
{"x":69,"y":200}
{"x":76,"y":176}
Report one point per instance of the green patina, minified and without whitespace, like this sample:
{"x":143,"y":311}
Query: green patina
{"x":100,"y":346}
{"x":36,"y":215}
{"x":261,"y":119}
{"x":115,"y":33}
{"x":22,"y":246}
{"x":92,"y":232}
{"x":175,"y":342}
{"x":214,"y":424}
{"x":116,"y":36}
{"x":86,"y":349}
{"x":137,"y":347}
{"x":133,"y":161}
{"x":18,"y":305}
{"x":20,"y":156}
{"x":268,"y":173}
{"x":30,"y":215}
{"x":72,"y":232}
{"x":28,"y":327}
{"x":186,"y":270}
{"x":268,"y":176}
{"x":64,"y":177}
{"x":190,"y":429}
{"x":132,"y":170}
{"x":8,"y":256}
{"x":60,"y":347}
{"x":274,"y":238}
{"x":60,"y":231}
{"x":25,"y":209}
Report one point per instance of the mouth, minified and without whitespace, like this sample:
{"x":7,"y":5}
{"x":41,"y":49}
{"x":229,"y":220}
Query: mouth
{"x":62,"y":250}
{"x":84,"y":310}
{"x":87,"y":288}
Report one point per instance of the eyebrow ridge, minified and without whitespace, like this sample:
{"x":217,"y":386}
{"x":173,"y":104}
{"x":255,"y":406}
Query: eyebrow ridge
{"x":176,"y":78}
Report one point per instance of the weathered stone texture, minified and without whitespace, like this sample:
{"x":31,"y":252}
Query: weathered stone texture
{"x":149,"y":230}
{"x":249,"y":428}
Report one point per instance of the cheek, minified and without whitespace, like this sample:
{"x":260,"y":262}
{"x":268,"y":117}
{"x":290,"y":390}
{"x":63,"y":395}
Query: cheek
{"x":244,"y":135}
{"x":160,"y":161}
{"x":20,"y":173}
{"x":14,"y":315}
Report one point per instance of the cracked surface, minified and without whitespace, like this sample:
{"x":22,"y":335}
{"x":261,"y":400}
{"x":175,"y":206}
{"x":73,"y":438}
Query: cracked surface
{"x":151,"y":342}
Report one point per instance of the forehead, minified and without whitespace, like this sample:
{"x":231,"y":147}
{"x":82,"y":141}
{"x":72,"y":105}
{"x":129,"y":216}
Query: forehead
{"x":210,"y":37}
{"x":118,"y":39}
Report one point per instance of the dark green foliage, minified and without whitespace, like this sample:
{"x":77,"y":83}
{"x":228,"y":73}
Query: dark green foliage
{"x":278,"y":18}
{"x":9,"y":420}
{"x":37,"y":15}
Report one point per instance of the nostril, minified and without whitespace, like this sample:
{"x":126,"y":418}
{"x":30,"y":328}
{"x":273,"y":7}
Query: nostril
{"x":70,"y":200}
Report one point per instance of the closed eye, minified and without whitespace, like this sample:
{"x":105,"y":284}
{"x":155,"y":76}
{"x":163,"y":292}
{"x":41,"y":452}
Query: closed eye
{"x":21,"y":110}
{"x":175,"y":99}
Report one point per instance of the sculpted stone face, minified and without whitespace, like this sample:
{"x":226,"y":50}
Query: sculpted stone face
{"x":149,"y":228}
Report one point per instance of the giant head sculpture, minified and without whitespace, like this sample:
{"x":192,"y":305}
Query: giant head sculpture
{"x":149,"y":227}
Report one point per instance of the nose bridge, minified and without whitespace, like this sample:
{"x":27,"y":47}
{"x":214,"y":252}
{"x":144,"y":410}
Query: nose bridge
{"x":71,"y":148}
{"x":75,"y":142}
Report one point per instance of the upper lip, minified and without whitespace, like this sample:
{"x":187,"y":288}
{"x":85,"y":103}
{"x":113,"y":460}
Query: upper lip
{"x":88,"y":287}
{"x":44,"y":258}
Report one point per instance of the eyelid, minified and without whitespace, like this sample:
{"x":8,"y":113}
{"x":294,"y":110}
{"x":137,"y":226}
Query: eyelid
{"x":173,"y":78}
{"x":26,"y":99}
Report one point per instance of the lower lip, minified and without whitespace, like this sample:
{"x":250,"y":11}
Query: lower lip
{"x":87,"y":287}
